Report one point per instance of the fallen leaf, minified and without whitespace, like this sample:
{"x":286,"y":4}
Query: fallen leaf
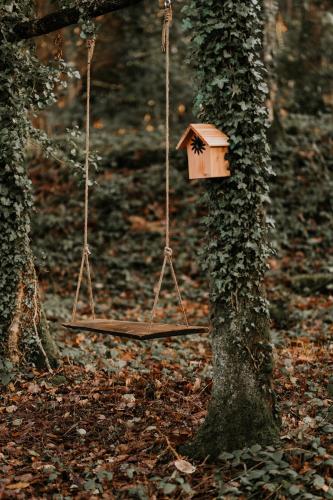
{"x":129,"y":397}
{"x":140,"y":224}
{"x":184,"y":466}
{"x":17,"y":486}
{"x":33,"y":388}
{"x":196,"y":385}
{"x":11,"y":409}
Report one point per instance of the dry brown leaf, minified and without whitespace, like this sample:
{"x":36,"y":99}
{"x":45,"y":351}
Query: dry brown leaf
{"x":33,"y":388}
{"x":140,"y":224}
{"x":184,"y":466}
{"x":196,"y":385}
{"x":17,"y":486}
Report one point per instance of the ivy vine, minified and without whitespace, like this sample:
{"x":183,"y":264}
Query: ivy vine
{"x":27,"y":87}
{"x":227,"y":41}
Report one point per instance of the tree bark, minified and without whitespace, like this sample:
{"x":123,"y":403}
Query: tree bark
{"x":65,"y":17}
{"x":270,"y":51}
{"x":227,"y":49}
{"x":313,"y":66}
{"x":29,"y":338}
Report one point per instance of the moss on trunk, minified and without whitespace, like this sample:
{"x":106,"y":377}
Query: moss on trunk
{"x":242,"y":411}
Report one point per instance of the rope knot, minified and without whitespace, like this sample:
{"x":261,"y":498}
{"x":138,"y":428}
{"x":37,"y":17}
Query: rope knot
{"x":168,"y":252}
{"x":166,"y":24}
{"x":91,"y":43}
{"x":90,"y":46}
{"x":87,"y":250}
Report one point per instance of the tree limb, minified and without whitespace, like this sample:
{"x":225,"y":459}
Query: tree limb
{"x":65,"y":17}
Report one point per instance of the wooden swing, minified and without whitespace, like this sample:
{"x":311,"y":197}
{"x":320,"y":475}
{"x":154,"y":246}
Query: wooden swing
{"x":130,"y":329}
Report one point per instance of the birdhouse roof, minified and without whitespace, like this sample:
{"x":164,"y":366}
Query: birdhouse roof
{"x":210,"y":135}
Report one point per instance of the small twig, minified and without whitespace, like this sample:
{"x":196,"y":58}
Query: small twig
{"x":246,"y":471}
{"x":188,"y":399}
{"x":172,"y":448}
{"x":71,"y":428}
{"x":273,"y":492}
{"x":204,"y":462}
{"x":169,"y":445}
{"x":202,"y":390}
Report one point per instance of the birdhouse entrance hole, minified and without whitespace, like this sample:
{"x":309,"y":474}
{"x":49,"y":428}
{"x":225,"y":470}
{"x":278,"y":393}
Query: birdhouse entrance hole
{"x":198,"y":146}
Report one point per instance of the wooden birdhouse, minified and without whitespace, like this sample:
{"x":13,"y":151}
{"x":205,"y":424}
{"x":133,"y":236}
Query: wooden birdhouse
{"x":206,"y":149}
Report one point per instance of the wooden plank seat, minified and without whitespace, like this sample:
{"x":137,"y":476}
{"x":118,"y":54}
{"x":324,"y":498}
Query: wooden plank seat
{"x":134,"y":329}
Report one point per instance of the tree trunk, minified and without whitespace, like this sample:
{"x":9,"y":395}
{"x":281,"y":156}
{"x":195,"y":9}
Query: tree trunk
{"x":24,"y":334}
{"x":270,"y":51}
{"x":27,"y":338}
{"x":242,"y":410}
{"x":313,"y":66}
{"x":227,"y":49}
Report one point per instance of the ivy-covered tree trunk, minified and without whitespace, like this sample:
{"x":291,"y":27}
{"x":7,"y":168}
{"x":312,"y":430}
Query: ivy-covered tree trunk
{"x":24,"y":334}
{"x":227,"y":50}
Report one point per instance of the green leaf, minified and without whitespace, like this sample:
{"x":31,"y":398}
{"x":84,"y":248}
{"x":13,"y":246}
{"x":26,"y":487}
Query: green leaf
{"x":169,"y":488}
{"x":294,"y":490}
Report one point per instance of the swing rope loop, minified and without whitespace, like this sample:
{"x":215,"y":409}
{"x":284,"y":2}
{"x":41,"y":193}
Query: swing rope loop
{"x":85,"y":249}
{"x":167,"y":250}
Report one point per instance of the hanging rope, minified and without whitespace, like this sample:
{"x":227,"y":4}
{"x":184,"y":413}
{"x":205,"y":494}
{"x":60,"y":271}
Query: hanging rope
{"x":85,"y":250}
{"x":167,"y":250}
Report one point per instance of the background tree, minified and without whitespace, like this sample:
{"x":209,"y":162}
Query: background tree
{"x":301,"y":135}
{"x":227,"y":47}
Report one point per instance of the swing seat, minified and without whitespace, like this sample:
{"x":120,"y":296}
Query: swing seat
{"x":133,"y":329}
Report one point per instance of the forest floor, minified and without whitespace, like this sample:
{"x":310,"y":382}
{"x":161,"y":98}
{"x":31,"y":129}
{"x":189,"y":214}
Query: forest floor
{"x":109,"y":421}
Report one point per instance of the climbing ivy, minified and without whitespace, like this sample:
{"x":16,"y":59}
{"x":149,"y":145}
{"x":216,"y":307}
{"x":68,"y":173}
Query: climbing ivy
{"x":27,"y":87}
{"x":226,"y":41}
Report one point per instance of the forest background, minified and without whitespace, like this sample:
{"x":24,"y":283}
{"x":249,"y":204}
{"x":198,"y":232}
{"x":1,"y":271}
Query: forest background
{"x":128,"y":135}
{"x":126,"y":227}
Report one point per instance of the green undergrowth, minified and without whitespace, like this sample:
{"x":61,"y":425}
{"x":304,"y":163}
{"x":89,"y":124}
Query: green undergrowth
{"x":277,"y":473}
{"x":302,"y":156}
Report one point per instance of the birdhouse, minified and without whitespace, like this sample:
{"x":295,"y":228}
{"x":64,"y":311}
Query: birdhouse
{"x":206,"y":149}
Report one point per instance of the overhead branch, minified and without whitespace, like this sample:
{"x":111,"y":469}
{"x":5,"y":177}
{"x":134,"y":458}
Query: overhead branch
{"x":66,"y":17}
